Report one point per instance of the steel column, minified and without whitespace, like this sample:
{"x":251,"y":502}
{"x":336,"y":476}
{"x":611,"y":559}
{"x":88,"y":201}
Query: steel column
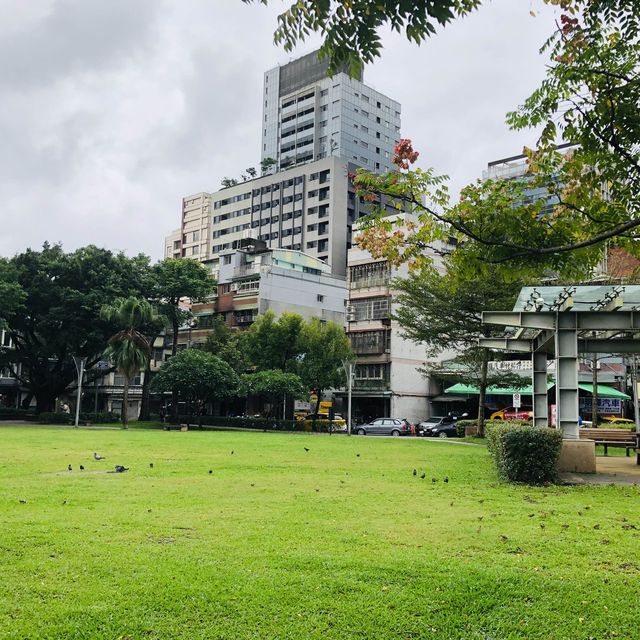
{"x":540,"y":394}
{"x":567,"y":375}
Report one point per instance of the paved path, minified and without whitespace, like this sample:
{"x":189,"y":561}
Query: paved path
{"x":609,"y":470}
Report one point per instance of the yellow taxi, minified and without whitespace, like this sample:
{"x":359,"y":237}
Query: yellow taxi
{"x":511,"y":413}
{"x":616,"y":420}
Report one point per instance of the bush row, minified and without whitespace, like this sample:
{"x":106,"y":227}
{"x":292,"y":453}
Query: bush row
{"x":261,"y":424}
{"x":523,"y":453}
{"x":462,"y":424}
{"x":13,"y":413}
{"x":102,"y":417}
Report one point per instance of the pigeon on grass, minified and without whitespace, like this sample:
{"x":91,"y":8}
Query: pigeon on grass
{"x":97,"y":456}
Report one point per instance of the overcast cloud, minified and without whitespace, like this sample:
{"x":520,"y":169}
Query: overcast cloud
{"x":111,"y":112}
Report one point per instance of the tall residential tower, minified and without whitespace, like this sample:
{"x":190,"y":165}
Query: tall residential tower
{"x":308,"y":116}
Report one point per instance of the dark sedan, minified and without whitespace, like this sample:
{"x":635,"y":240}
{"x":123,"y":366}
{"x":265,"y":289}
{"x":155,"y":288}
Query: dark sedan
{"x":385,"y":427}
{"x":437,"y":427}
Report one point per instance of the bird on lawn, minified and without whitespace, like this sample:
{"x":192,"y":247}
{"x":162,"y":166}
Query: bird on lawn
{"x":423,"y":476}
{"x":357,"y":455}
{"x":81,"y":467}
{"x":151,"y":465}
{"x":307,"y":449}
{"x":70,"y":468}
{"x":434,"y":480}
{"x":97,"y":456}
{"x":415,"y":472}
{"x":231,"y":452}
{"x":210,"y":470}
{"x":23,"y":501}
{"x":121,"y":469}
{"x":446,"y":479}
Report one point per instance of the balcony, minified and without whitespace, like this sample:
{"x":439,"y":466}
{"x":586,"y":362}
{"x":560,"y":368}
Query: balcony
{"x":370,"y":385}
{"x":374,"y":281}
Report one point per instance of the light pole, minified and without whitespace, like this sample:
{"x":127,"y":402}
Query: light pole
{"x":349,"y":368}
{"x":634,"y":381}
{"x":79,"y":362}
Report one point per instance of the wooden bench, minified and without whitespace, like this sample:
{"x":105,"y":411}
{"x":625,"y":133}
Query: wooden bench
{"x":612,"y":438}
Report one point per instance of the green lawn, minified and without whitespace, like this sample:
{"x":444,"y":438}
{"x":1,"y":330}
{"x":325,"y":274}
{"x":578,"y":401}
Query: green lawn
{"x":279,"y":542}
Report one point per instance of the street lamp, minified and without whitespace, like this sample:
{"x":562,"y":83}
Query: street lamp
{"x":79,"y":362}
{"x":349,"y":370}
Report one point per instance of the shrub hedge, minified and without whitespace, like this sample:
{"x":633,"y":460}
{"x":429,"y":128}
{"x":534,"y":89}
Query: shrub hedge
{"x":461,"y":424}
{"x":260,"y":424}
{"x":13,"y":413}
{"x":102,"y":417}
{"x":523,"y":453}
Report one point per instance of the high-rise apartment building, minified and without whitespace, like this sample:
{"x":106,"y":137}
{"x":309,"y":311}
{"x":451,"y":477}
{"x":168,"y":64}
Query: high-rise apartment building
{"x":308,"y":116}
{"x":318,"y":130}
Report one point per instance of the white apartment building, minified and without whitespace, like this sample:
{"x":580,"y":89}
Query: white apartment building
{"x":255,"y":279}
{"x":308,"y":116}
{"x":387,"y":380}
{"x":173,"y":244}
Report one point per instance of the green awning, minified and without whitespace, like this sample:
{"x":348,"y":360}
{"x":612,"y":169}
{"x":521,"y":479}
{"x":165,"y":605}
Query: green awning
{"x":605,"y":392}
{"x":501,"y":391}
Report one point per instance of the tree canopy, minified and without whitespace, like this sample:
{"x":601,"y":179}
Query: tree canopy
{"x":55,"y":314}
{"x":324,"y":346}
{"x":175,"y":279}
{"x":350,"y":28}
{"x":443,"y":312}
{"x":274,"y":343}
{"x":196,"y":377}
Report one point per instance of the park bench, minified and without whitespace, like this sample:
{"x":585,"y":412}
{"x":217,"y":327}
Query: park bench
{"x":612,"y":438}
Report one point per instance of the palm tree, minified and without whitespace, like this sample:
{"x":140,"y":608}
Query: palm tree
{"x":129,"y":349}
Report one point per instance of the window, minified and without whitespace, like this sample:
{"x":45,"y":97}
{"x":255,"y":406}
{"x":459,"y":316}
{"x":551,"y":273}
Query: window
{"x":364,"y":113}
{"x":320,"y":298}
{"x":324,"y":92}
{"x":226,"y":259}
{"x":378,"y":105}
{"x":365,"y":129}
{"x":377,"y":149}
{"x":365,"y":98}
{"x":371,"y":372}
{"x":378,"y":119}
{"x":312,"y":227}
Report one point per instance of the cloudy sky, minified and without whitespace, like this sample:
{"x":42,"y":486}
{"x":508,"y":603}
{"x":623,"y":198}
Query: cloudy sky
{"x":110,"y":112}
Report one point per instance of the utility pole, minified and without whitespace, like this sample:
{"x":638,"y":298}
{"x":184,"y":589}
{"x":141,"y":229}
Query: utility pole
{"x":79,"y":362}
{"x":349,"y":369}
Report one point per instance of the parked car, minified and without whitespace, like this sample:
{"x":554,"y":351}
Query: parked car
{"x":339,"y":423}
{"x":437,"y":427}
{"x":385,"y":427}
{"x":616,"y":420}
{"x":511,"y":413}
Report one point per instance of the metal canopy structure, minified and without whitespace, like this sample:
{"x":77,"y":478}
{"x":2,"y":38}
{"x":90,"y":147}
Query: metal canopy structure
{"x":563,"y":322}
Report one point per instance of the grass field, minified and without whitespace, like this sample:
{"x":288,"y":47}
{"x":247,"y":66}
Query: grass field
{"x":279,"y":542}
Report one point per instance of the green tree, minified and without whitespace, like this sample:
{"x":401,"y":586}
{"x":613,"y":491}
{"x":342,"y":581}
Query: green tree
{"x":323,"y":348}
{"x":444,"y":312}
{"x":274,"y":386}
{"x":56,"y":313}
{"x":589,"y":101}
{"x":176,"y":280}
{"x":350,"y":27}
{"x":196,"y":377}
{"x":274,"y":343}
{"x":225,"y":183}
{"x":228,"y":345}
{"x":252,"y":172}
{"x":266,"y":165}
{"x":128,"y":349}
